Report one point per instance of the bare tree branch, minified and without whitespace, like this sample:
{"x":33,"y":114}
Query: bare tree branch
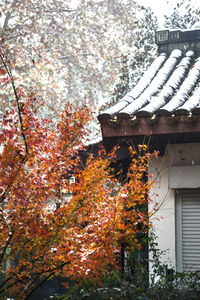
{"x":10,"y":235}
{"x":9,"y":72}
{"x":8,"y":16}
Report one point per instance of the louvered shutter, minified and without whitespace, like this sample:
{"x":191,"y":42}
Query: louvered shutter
{"x":189,"y":230}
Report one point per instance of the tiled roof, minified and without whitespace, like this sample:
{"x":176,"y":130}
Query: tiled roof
{"x":171,"y":86}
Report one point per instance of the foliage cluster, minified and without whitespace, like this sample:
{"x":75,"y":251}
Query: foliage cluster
{"x":50,"y":226}
{"x":67,"y":50}
{"x":136,"y":284}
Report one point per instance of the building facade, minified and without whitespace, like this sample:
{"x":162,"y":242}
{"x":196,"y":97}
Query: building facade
{"x":163,"y":109}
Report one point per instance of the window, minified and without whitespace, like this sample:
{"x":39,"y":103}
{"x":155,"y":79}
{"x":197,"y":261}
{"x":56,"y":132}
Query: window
{"x":188,"y":230}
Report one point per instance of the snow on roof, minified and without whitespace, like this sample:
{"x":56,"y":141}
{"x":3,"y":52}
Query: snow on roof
{"x":171,"y":86}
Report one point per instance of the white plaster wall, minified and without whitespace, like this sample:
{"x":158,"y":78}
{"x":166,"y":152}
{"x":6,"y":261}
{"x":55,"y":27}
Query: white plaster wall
{"x":163,"y":220}
{"x":163,"y":193}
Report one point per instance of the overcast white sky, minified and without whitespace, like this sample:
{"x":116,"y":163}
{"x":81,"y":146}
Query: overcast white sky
{"x":163,"y":7}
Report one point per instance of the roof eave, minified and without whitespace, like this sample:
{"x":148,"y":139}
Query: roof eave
{"x":142,"y":126}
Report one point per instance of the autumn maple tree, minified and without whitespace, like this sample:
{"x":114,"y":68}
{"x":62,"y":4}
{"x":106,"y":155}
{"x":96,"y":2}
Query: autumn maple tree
{"x":50,"y":226}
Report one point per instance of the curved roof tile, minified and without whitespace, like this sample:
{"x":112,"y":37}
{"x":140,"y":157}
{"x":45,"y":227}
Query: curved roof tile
{"x":155,"y":85}
{"x":169,"y":86}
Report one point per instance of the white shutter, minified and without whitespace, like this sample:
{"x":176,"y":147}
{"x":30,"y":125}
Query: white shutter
{"x":188,"y":233}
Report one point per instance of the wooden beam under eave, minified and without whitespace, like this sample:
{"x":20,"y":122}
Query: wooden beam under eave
{"x":144,"y":126}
